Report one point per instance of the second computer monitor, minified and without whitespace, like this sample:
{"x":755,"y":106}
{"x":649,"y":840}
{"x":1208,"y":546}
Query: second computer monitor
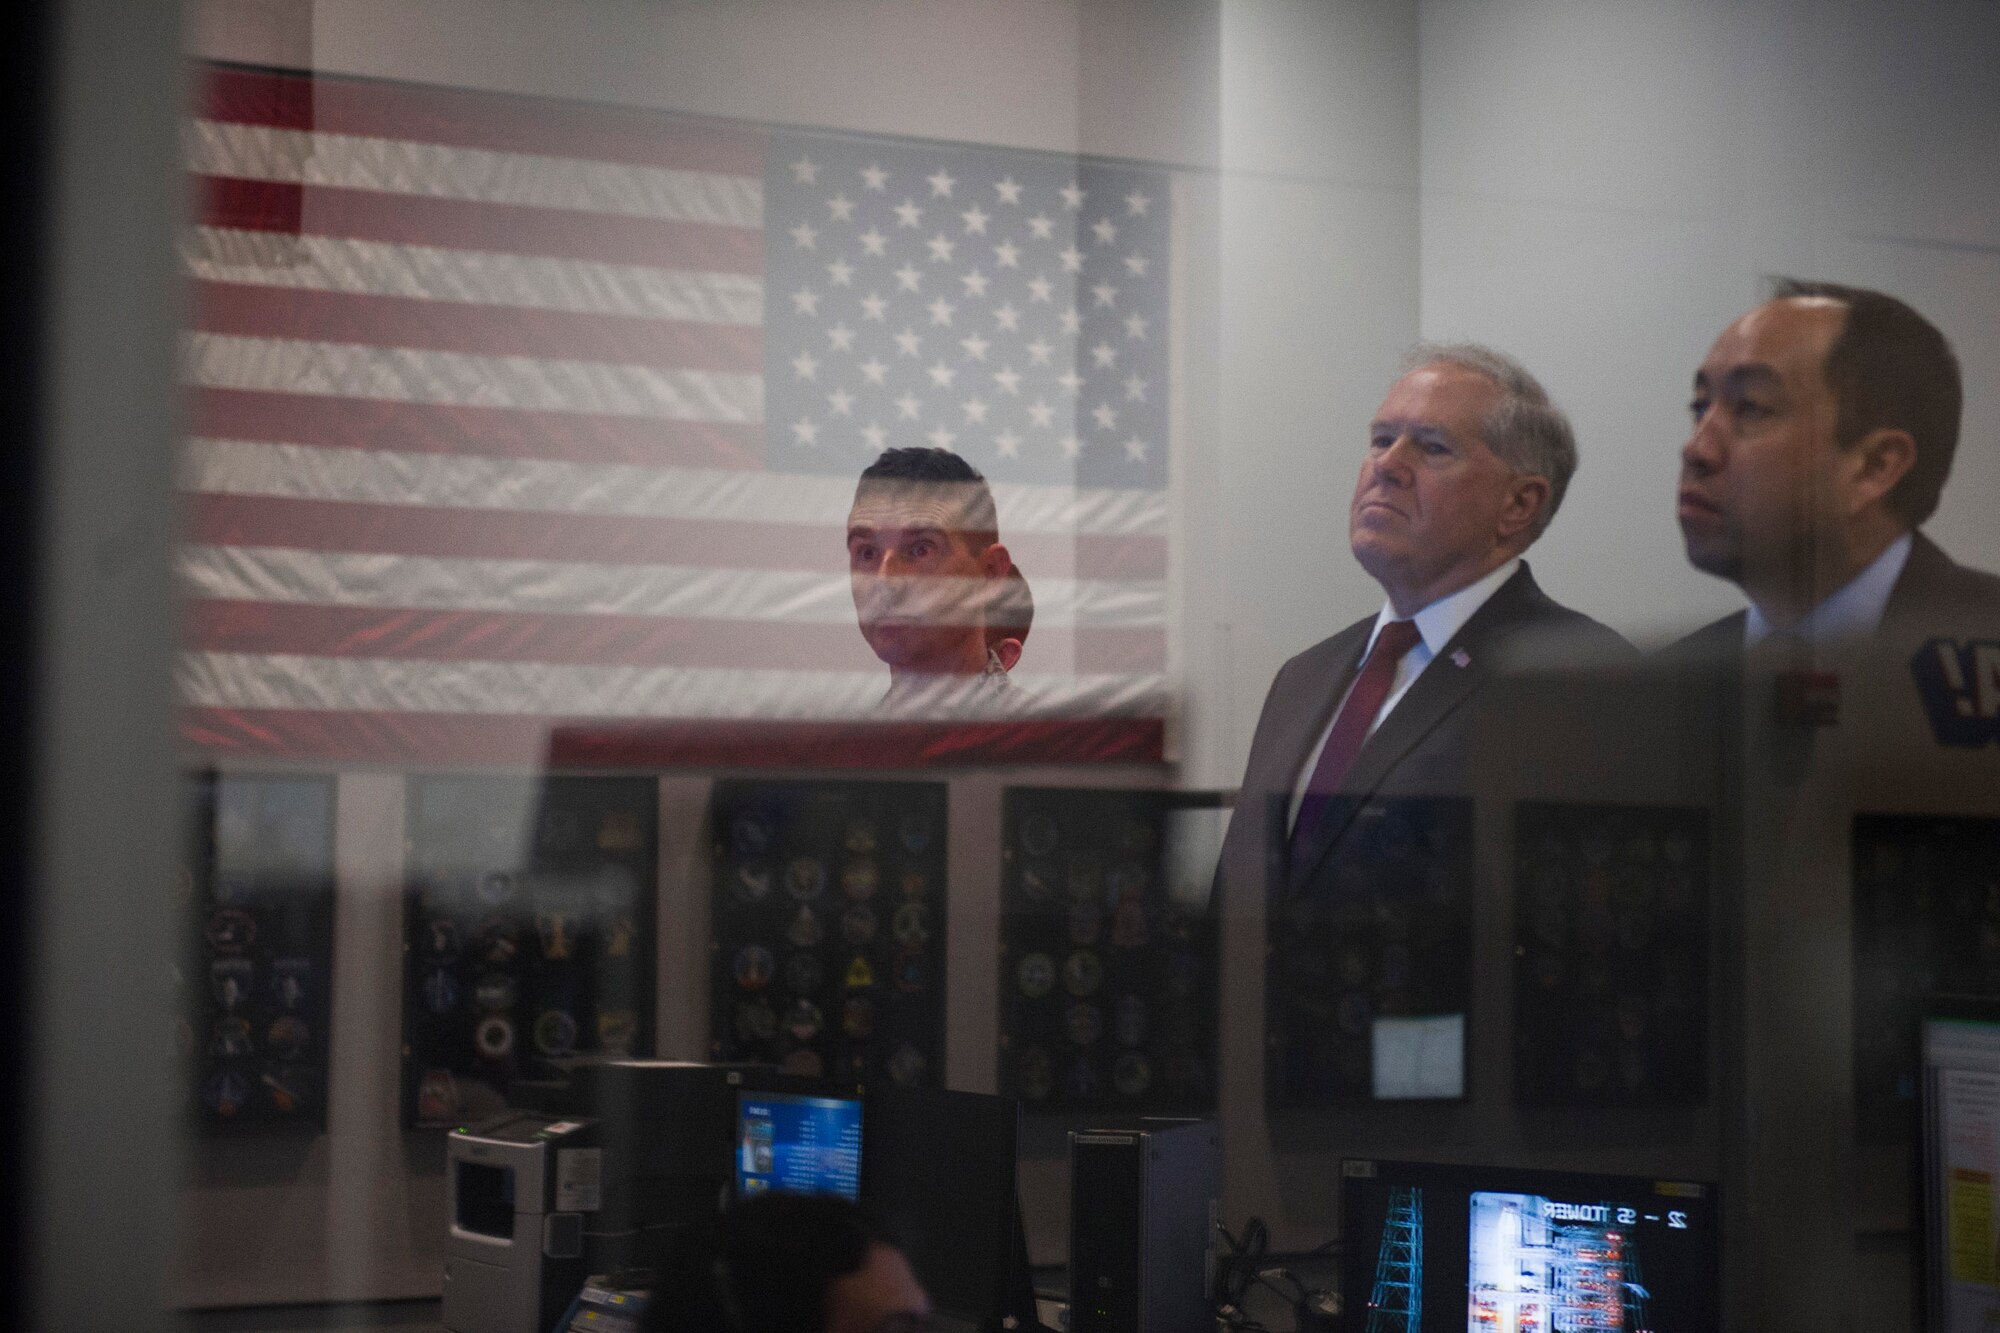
{"x":797,"y":1144}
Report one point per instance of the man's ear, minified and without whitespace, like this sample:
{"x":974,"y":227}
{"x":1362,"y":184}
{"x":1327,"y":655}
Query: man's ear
{"x":994,"y":562}
{"x":1527,"y":496}
{"x":1876,"y":463}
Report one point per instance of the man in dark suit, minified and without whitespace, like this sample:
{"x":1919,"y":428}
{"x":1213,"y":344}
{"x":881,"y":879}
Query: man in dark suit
{"x":1466,"y":464}
{"x":1824,"y":426}
{"x":1336,"y":825}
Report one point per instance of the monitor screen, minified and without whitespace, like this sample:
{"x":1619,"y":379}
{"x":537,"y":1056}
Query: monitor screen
{"x":1961,"y":1151}
{"x":802,"y":1145}
{"x":1500,"y":1250}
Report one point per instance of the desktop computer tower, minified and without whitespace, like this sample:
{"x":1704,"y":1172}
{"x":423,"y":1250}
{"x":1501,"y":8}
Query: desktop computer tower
{"x":1142,"y":1227}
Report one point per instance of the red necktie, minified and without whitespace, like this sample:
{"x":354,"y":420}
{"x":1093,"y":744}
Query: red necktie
{"x":1350,"y":728}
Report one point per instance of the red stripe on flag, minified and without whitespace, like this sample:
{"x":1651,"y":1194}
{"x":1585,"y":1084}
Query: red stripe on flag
{"x":487,"y":432}
{"x":220,"y":519}
{"x":212,"y":625}
{"x":451,"y":738}
{"x":503,"y":122}
{"x":484,"y":330}
{"x":461,"y":224}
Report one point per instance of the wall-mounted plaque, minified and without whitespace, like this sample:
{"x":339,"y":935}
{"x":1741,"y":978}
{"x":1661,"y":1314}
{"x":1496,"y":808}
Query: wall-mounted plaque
{"x":1611,"y":955}
{"x":829,"y":923}
{"x":530,"y":934}
{"x":257,"y":885}
{"x":1368,"y":985}
{"x":1926,"y":922}
{"x":1108,"y":963}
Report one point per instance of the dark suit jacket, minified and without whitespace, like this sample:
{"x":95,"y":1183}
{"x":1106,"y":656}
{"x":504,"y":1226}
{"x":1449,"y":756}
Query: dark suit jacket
{"x":1420,"y":748}
{"x":1933,"y":595}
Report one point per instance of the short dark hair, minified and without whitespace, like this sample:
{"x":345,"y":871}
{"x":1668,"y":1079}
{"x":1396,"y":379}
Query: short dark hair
{"x":764,"y":1266}
{"x":941,"y":467}
{"x":1891,"y":368}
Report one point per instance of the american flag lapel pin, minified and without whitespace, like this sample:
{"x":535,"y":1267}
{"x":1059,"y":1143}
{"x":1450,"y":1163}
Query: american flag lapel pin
{"x":1461,"y":658}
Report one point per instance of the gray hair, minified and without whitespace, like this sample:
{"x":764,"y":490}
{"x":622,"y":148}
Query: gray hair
{"x":1528,"y":431}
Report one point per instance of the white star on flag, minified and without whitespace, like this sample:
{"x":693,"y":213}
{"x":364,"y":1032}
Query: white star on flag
{"x":941,"y":184}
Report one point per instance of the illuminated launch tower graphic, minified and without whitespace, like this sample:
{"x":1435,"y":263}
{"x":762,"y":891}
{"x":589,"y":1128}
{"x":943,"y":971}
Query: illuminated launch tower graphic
{"x":1542,"y":1267}
{"x":1397,"y":1305}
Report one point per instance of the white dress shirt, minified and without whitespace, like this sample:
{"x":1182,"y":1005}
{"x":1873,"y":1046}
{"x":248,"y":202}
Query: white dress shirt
{"x":1849,"y":614}
{"x":1436,"y":623}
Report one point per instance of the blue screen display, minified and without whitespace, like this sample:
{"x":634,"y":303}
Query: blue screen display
{"x":802,"y":1145}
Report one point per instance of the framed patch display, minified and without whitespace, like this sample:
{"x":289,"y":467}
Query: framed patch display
{"x":1612,"y":933}
{"x":1926,"y":922}
{"x":257,"y":884}
{"x":827,"y":954}
{"x":1368,"y":981}
{"x":530,"y":932}
{"x":1108,"y":950}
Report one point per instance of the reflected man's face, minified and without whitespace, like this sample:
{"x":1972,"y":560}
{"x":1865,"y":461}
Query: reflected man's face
{"x":1758,"y":473}
{"x":920,"y":581}
{"x":1432,"y":501}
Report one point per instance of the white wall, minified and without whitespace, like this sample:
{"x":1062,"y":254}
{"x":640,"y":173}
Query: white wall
{"x":1605,"y":187}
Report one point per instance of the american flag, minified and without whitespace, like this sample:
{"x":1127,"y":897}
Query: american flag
{"x":511,"y":417}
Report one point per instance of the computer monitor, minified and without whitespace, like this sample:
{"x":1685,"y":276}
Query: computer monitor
{"x":796,"y":1143}
{"x":1508,"y":1250}
{"x":1960,"y":1098}
{"x":940,"y":1174}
